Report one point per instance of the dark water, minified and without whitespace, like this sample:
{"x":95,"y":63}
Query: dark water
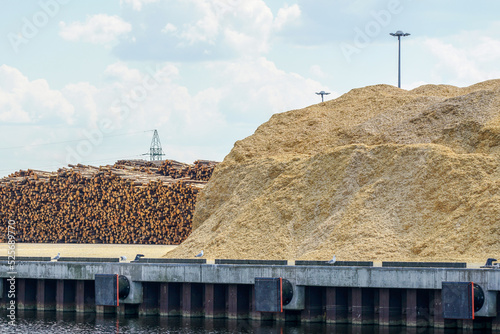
{"x":70,"y":322}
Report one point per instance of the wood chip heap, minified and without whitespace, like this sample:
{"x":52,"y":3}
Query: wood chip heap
{"x":130,"y":202}
{"x":379,"y":173}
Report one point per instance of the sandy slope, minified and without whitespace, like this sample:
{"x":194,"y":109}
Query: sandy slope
{"x":377,"y":174}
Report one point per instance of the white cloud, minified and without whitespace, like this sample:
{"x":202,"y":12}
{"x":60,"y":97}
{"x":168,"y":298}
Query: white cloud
{"x":487,"y":50}
{"x":169,"y":28}
{"x":258,"y":87}
{"x":137,"y":4}
{"x":98,"y":29}
{"x":286,"y":15}
{"x":206,"y":29}
{"x":317,"y":71}
{"x":464,"y":61}
{"x":201,"y":124}
{"x":25,"y":101}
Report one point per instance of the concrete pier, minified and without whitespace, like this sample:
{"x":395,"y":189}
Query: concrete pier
{"x":387,"y":296}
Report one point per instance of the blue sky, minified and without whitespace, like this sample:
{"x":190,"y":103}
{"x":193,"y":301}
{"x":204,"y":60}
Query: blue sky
{"x":87,"y":81}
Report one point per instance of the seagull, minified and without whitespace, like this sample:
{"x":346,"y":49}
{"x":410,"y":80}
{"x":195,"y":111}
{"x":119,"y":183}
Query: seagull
{"x":123,"y":258}
{"x":333,"y":260}
{"x":138,"y":257}
{"x":57,"y":256}
{"x":199,"y":255}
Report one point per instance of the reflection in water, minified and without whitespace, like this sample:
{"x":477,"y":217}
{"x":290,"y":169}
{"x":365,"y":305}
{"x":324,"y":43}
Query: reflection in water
{"x":70,"y":322}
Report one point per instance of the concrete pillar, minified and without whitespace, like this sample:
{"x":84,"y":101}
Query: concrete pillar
{"x":369,"y":300}
{"x":186,"y":299}
{"x":336,"y":305}
{"x":100,"y":310}
{"x":127,"y":309}
{"x":232,"y":301}
{"x":215,"y":301}
{"x":85,"y":296}
{"x":423,"y":307}
{"x":26,"y":293}
{"x":495,"y":324}
{"x":356,"y":306}
{"x":467,"y":326}
{"x":170,"y":299}
{"x":243,"y":301}
{"x":314,"y":304}
{"x":65,"y":295}
{"x":46,"y":295}
{"x":330,"y":304}
{"x":384,"y":307}
{"x":209,"y":300}
{"x":436,"y":310}
{"x":253,"y":312}
{"x":20,"y":293}
{"x":192,"y":300}
{"x":280,"y":317}
{"x":3,"y":293}
{"x":410,"y":307}
{"x":150,"y":303}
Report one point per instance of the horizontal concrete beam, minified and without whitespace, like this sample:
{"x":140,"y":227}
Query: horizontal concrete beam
{"x":333,"y":276}
{"x":88,"y":259}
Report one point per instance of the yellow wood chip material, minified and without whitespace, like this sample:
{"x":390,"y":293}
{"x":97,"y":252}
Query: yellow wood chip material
{"x":379,"y":173}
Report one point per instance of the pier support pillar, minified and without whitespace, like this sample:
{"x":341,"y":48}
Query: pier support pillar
{"x":232,"y":301}
{"x":3,"y":292}
{"x":170,"y":299}
{"x":330,"y":305}
{"x":85,"y":296}
{"x":467,"y":326}
{"x":209,"y":300}
{"x":192,"y":300}
{"x":150,"y":304}
{"x":410,"y":307}
{"x":45,"y":295}
{"x":314,"y":305}
{"x":238,"y":301}
{"x":436,"y":310}
{"x":215,"y":301}
{"x":127,"y":309}
{"x":101,"y":310}
{"x":244,"y":301}
{"x":65,"y":295}
{"x":356,"y":306}
{"x":384,"y":307}
{"x":336,"y":305}
{"x":495,"y":324}
{"x":26,"y":293}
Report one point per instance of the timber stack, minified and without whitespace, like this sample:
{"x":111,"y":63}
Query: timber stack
{"x":133,"y":201}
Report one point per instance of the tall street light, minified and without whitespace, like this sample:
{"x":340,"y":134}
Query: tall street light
{"x":399,"y":34}
{"x":322,"y":93}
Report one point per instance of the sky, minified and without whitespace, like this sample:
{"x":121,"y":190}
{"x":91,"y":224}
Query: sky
{"x":88,"y":81}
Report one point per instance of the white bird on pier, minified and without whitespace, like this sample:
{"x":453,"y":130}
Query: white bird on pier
{"x":57,"y":256}
{"x":333,"y":260}
{"x":199,"y":255}
{"x":123,"y":258}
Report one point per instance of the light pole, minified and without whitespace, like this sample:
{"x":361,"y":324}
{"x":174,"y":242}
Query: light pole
{"x":399,"y":34}
{"x":322,"y":93}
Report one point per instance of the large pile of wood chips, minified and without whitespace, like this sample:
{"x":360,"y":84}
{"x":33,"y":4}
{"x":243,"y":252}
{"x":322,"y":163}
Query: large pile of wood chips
{"x":379,"y":173}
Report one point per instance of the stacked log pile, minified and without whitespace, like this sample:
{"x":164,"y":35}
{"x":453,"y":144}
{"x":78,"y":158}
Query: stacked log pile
{"x":202,"y":170}
{"x":129,"y":202}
